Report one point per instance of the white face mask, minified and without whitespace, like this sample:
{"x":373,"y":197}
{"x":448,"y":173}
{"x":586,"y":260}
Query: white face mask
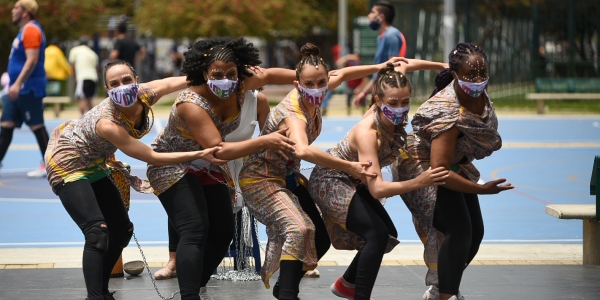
{"x":222,"y":88}
{"x":124,"y":95}
{"x":314,"y":96}
{"x":396,"y":115}
{"x":472,"y":89}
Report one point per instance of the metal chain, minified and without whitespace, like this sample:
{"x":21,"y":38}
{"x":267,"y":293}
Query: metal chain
{"x":150,"y":273}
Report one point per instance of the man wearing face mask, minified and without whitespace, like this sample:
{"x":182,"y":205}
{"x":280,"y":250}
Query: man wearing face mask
{"x":390,"y":42}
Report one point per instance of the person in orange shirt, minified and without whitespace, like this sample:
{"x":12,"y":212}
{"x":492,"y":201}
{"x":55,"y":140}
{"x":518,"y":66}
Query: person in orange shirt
{"x":57,"y":69}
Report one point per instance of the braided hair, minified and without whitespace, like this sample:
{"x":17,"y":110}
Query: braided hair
{"x":310,"y":56}
{"x":388,"y":78}
{"x":456,"y":58}
{"x":115,"y":63}
{"x":203,"y":53}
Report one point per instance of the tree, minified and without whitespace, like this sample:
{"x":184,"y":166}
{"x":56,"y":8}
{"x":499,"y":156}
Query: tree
{"x":266,"y":18}
{"x":63,"y":19}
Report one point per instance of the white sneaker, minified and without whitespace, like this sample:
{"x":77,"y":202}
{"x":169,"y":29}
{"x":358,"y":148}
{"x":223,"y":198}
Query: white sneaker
{"x":433,"y":293}
{"x":204,"y":294}
{"x":37,"y":173}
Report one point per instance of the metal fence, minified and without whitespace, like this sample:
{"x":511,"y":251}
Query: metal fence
{"x":523,"y":39}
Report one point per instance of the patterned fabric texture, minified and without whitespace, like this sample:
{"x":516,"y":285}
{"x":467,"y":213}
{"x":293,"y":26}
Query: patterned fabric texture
{"x":76,"y":152}
{"x":333,"y":189}
{"x":479,"y":138}
{"x":290,"y":231}
{"x":177,"y":137}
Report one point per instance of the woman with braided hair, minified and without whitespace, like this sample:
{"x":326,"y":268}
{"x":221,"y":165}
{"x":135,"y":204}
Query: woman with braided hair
{"x":198,"y":196}
{"x":297,"y":235}
{"x":457,"y":125}
{"x":80,"y":152}
{"x":355,"y":219}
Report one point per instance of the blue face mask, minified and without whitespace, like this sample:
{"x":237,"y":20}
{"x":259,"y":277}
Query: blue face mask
{"x":375,"y":24}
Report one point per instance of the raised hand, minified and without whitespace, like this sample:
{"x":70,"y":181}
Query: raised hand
{"x":431,"y":177}
{"x":496,"y":186}
{"x":396,"y":61}
{"x":208,"y":155}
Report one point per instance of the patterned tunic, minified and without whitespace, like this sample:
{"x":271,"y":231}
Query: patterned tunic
{"x":177,"y":137}
{"x":290,"y":231}
{"x":76,"y":152}
{"x":479,"y":138}
{"x":333,"y":190}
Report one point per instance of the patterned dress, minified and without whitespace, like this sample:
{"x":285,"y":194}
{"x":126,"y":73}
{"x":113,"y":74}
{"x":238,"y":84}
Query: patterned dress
{"x":479,"y":137}
{"x":177,"y":137}
{"x":290,"y":231}
{"x":76,"y":152}
{"x":333,"y":189}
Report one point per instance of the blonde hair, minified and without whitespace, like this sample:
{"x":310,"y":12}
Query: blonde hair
{"x":30,"y":6}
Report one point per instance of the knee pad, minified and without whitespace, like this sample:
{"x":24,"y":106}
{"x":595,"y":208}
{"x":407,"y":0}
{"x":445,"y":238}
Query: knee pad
{"x":96,"y":236}
{"x":122,"y":236}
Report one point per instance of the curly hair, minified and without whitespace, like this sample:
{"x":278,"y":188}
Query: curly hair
{"x":203,"y":53}
{"x":456,"y":58}
{"x":388,"y":78}
{"x":114,"y":63}
{"x":310,"y":56}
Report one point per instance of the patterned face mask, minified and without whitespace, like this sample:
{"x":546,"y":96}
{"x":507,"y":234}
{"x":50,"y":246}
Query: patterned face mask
{"x":124,"y":95}
{"x":314,"y":96}
{"x":222,"y":88}
{"x":395,"y":115}
{"x":472,"y":89}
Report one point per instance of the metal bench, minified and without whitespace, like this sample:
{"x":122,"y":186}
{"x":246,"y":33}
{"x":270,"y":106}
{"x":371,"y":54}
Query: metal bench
{"x":590,"y":216}
{"x":57,"y":101}
{"x":564,"y":89}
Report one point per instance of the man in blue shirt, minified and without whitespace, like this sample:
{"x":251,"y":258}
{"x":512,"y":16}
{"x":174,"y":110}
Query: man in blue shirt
{"x":390,"y":42}
{"x":27,"y":85}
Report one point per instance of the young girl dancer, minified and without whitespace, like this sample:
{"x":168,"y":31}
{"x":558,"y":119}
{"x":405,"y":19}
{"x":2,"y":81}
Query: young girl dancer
{"x":355,"y":219}
{"x":457,"y":125}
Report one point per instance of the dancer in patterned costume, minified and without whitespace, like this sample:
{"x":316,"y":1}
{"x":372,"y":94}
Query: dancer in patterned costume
{"x":355,"y":219}
{"x":198,"y":200}
{"x":80,"y":152}
{"x":297,"y":235}
{"x":455,"y":126}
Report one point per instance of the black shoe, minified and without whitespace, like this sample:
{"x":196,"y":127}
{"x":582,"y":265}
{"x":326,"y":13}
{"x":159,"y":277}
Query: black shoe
{"x":276,"y":289}
{"x":109,"y":296}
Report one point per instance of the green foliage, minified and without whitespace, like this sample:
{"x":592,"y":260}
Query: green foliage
{"x":265,"y":18}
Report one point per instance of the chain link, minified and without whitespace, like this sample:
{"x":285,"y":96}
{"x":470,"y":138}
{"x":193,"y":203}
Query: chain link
{"x":150,"y":272}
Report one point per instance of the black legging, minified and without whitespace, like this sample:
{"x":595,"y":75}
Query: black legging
{"x":290,"y":273}
{"x":367,"y":218}
{"x":458,"y":216}
{"x":220,"y":230}
{"x":191,"y":213}
{"x":97,"y":207}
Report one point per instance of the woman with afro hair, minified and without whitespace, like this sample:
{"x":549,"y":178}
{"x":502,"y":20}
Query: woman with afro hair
{"x":457,"y":125}
{"x":198,"y":197}
{"x":297,"y":235}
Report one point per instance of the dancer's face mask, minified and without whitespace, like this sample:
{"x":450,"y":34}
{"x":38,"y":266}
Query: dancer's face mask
{"x":222,"y":88}
{"x":396,"y":115}
{"x":472,"y":89}
{"x":314,"y":96}
{"x":124,"y":95}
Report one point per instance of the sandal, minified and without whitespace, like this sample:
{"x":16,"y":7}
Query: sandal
{"x":312,"y":273}
{"x":165,"y":273}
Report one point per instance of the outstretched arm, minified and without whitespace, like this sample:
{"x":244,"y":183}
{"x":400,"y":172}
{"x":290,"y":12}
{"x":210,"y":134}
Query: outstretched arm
{"x":442,"y":151}
{"x":119,"y":137}
{"x":263,"y":77}
{"x":168,"y":85}
{"x":356,"y":72}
